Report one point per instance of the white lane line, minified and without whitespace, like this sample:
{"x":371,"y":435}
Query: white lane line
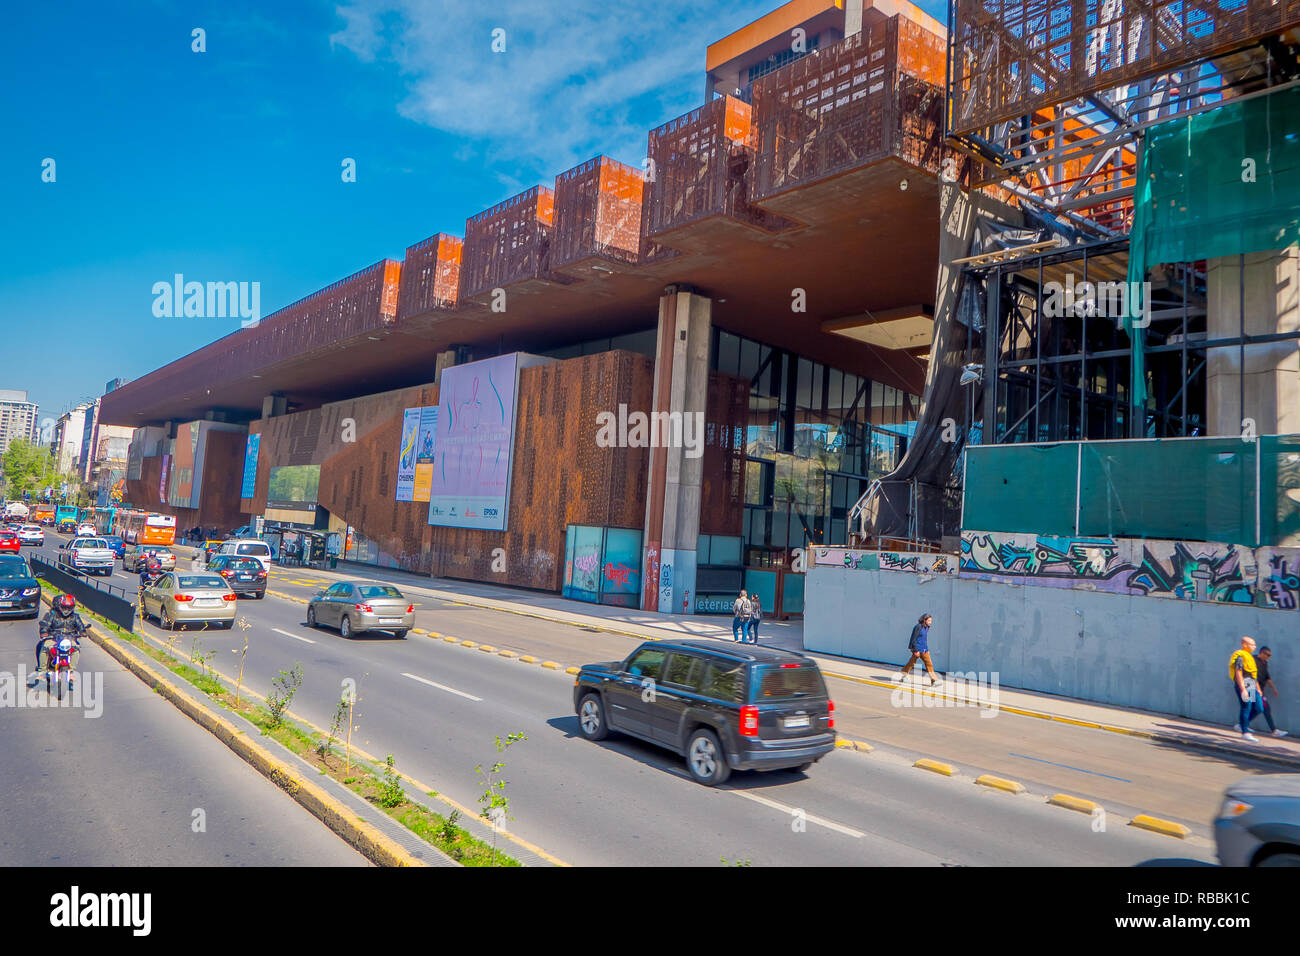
{"x":450,"y":690}
{"x":790,"y":811}
{"x":296,"y":637}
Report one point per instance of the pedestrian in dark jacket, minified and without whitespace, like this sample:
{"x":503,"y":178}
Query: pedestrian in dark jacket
{"x":919,"y":645}
{"x":755,"y":615}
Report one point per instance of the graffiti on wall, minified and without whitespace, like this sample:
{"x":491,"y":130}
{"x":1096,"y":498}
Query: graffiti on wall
{"x":1183,"y":570}
{"x":924,"y":562}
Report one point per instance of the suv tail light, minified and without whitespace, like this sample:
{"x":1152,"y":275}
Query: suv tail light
{"x":261,"y":574}
{"x":830,"y":721}
{"x":749,"y":721}
{"x":366,"y":608}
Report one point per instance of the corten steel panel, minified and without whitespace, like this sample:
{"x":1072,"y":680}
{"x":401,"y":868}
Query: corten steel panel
{"x":597,"y":212}
{"x":699,"y":167}
{"x":875,"y":94}
{"x":430,"y":275}
{"x":508,"y":243}
{"x":143,"y":492}
{"x":1011,"y":57}
{"x":722,"y":492}
{"x":353,"y":306}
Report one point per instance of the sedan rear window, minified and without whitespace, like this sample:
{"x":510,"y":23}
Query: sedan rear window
{"x":253,"y":549}
{"x":188,"y":581}
{"x":379,"y":590}
{"x":242,"y":564}
{"x":786,"y":682}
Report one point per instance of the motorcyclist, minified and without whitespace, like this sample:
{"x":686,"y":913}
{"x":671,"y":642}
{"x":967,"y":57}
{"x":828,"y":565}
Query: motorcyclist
{"x":62,"y":620}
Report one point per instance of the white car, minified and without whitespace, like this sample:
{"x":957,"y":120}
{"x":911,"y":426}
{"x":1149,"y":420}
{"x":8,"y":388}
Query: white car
{"x":85,"y":530}
{"x":248,"y":548}
{"x":86,"y":555}
{"x":31,"y":534}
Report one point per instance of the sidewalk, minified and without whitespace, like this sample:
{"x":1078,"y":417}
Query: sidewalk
{"x":788,"y":635}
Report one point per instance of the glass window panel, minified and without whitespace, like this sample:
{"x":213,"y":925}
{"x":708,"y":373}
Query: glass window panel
{"x":748,"y":359}
{"x":769,"y":363}
{"x":728,"y":353}
{"x":835,"y":401}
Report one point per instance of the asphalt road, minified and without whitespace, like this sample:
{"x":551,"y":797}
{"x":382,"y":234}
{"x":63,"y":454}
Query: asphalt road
{"x":127,"y":787}
{"x":436,"y":707}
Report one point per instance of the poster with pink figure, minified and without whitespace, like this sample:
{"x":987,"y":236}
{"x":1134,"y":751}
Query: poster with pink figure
{"x":476,"y":432}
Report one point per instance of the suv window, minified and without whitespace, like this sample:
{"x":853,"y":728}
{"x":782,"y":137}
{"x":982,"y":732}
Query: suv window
{"x":647,"y":663}
{"x":783,"y":682}
{"x":723,"y":680}
{"x":242,"y":564}
{"x":679,"y":669}
{"x":253,"y":549}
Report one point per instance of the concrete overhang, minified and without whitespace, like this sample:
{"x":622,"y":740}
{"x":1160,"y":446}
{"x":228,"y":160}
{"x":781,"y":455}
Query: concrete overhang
{"x":904,"y":328}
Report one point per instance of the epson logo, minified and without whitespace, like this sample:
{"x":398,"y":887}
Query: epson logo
{"x":489,"y":512}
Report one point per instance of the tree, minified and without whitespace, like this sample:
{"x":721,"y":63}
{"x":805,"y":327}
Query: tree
{"x":27,"y":468}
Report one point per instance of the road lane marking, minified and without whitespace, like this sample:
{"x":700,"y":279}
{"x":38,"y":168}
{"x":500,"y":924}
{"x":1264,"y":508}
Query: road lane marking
{"x":792,"y":811}
{"x":296,"y":637}
{"x":450,"y":690}
{"x":1067,"y":766}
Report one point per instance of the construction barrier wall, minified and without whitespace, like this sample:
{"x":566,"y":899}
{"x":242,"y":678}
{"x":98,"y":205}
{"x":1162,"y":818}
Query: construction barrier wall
{"x":430,"y":275}
{"x":508,"y":243}
{"x":1008,"y":58}
{"x":597,"y":212}
{"x":363,"y":302}
{"x":875,"y":94}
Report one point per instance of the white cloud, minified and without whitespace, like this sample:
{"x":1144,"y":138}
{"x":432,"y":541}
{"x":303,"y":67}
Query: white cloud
{"x":577,"y":78}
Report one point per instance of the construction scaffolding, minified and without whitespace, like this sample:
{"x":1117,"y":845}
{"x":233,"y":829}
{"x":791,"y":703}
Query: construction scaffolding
{"x":877,"y":93}
{"x":597,"y":212}
{"x":430,"y":275}
{"x":509,"y":243}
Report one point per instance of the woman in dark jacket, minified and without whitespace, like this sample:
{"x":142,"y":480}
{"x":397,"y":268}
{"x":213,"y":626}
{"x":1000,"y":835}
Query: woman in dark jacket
{"x":919,"y":645}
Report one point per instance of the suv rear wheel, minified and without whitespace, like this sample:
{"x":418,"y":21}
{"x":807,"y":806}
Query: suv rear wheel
{"x":705,"y":760}
{"x":591,"y":717}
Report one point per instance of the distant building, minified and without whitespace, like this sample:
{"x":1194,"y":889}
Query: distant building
{"x":18,"y":417}
{"x":68,"y":437}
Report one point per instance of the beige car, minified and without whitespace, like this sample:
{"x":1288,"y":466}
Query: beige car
{"x":178,"y":598}
{"x":136,"y":556}
{"x":355,"y":607}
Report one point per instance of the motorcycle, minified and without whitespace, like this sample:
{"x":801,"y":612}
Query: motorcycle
{"x":60,"y":666}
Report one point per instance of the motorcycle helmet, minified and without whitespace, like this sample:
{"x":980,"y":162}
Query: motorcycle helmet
{"x":65,"y":604}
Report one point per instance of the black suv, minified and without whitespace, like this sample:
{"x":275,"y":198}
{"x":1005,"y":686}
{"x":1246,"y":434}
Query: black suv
{"x":724,"y":708}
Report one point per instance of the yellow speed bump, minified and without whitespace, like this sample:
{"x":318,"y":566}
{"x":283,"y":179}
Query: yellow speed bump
{"x":506,"y":654}
{"x":999,"y":783}
{"x":418,"y":630}
{"x":1156,"y":825}
{"x":451,"y":640}
{"x":861,"y":746}
{"x":487,"y":648}
{"x":1074,"y":803}
{"x":469,"y":643}
{"x":573,"y":670}
{"x":527,"y":659}
{"x":934,"y":766}
{"x":551,"y":665}
{"x":433,"y":633}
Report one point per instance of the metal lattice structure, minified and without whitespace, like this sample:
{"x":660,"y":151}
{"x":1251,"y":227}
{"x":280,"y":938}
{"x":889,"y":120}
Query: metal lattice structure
{"x":508,"y":243}
{"x":597,"y":212}
{"x":430,"y":275}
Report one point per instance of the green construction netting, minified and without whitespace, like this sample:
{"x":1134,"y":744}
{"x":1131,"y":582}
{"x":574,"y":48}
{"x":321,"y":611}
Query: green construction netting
{"x":1192,"y":489}
{"x":1218,"y":183}
{"x":1020,"y":488}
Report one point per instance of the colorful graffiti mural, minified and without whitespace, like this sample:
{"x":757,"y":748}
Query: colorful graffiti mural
{"x":921,"y":562}
{"x":1182,"y":570}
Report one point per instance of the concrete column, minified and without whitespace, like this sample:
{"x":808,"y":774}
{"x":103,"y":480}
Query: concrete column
{"x":672,"y":524}
{"x":273,"y":405}
{"x":1269,"y":286}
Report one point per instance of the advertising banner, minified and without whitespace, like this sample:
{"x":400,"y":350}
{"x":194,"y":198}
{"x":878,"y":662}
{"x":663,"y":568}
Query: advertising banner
{"x":426,"y":443}
{"x":162,"y":479}
{"x":249,"y":488}
{"x":406,"y":455}
{"x":476,"y":431}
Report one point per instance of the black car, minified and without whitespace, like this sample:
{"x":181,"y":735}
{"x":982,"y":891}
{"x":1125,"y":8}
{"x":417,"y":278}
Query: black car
{"x":723,"y":708}
{"x":244,"y":575}
{"x":20,"y":593}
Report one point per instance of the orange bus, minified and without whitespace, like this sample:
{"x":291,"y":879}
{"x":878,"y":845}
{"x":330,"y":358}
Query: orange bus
{"x":142,"y":528}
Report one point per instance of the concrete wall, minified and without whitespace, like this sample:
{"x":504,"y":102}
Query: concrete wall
{"x":1159,"y":655}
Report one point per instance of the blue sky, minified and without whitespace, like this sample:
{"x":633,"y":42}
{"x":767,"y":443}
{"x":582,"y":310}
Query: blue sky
{"x":225,"y":165}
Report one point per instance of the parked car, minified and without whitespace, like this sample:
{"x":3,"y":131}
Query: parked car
{"x":20,"y":592}
{"x":244,"y":575}
{"x":9,"y":541}
{"x":723,"y":708}
{"x":31,"y":534}
{"x":355,"y":607}
{"x":248,"y":548}
{"x":1259,"y":822}
{"x":179,"y":598}
{"x":86,"y":555}
{"x":135,"y":557}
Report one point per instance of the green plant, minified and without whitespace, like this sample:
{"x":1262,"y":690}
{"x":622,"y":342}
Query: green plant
{"x":283,"y":689}
{"x":734,"y":862}
{"x":496,"y":805}
{"x":449,"y":831}
{"x":336,"y":724}
{"x":391,"y":793}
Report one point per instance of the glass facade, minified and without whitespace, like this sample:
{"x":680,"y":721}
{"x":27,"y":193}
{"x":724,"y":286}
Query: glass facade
{"x":817,"y":436}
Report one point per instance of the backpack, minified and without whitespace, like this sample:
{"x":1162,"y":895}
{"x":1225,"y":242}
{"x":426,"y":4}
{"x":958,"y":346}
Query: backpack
{"x":741,"y":608}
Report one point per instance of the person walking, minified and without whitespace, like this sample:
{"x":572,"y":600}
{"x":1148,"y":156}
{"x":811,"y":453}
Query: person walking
{"x":1265,"y":682}
{"x":740,"y":611}
{"x":1243,"y":673}
{"x":919,"y":645}
{"x":755,"y":615}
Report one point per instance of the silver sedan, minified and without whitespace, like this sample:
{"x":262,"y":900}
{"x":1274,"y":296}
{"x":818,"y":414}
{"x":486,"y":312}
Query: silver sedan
{"x":178,"y":598}
{"x":355,"y":607}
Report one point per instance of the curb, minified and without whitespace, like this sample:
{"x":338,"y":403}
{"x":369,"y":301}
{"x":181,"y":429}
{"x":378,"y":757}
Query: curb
{"x":1146,"y":822}
{"x":934,"y":766}
{"x":1000,"y":783}
{"x":1074,"y":803}
{"x":361,"y":836}
{"x":861,"y":746}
